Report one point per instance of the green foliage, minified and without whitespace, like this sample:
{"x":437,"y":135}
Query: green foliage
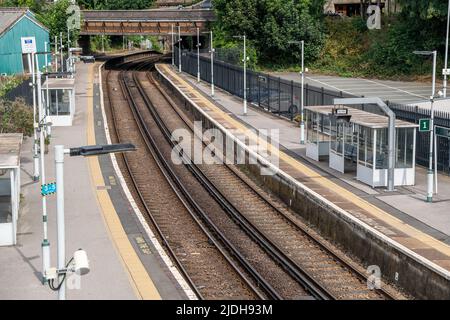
{"x":33,"y":5}
{"x":116,"y":4}
{"x":16,"y":117}
{"x":270,"y":25}
{"x":8,"y":83}
{"x":96,"y":43}
{"x":54,"y":17}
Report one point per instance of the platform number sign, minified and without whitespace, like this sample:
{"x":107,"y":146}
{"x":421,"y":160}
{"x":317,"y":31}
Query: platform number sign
{"x":425,"y":125}
{"x":47,"y":189}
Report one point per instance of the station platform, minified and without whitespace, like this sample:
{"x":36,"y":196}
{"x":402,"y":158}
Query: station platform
{"x":402,"y":216}
{"x":124,"y":264}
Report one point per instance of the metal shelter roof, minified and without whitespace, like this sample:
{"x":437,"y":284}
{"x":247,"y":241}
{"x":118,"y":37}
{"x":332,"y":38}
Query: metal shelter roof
{"x":10,"y":145}
{"x":363,"y":118}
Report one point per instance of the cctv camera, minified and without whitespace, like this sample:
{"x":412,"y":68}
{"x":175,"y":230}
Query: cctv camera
{"x":81,"y":262}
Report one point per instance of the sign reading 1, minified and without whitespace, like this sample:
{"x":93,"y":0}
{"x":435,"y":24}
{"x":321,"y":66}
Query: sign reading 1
{"x":424,"y":125}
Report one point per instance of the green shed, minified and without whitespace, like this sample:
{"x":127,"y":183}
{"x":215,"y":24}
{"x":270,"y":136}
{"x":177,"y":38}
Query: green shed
{"x":14,"y":24}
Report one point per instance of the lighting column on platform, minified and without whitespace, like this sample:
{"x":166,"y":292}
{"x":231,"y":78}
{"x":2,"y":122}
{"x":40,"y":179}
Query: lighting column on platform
{"x":179,"y":49}
{"x":56,"y":53}
{"x":302,"y":93}
{"x":86,"y":151}
{"x":446,"y":71}
{"x":430,"y":175}
{"x":245,"y":71}
{"x":173,"y":46}
{"x":61,"y":49}
{"x":41,"y":127}
{"x":35,"y":125}
{"x":211,"y":51}
{"x":198,"y":54}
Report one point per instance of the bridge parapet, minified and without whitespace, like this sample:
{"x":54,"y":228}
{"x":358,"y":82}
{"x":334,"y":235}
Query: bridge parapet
{"x":145,"y":22}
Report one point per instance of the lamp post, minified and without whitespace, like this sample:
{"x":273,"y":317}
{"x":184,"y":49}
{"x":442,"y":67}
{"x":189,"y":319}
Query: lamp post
{"x":41,"y":127}
{"x":245,"y":71}
{"x":446,"y":71}
{"x":302,"y":93}
{"x":430,"y":175}
{"x":198,"y":54}
{"x":211,"y":51}
{"x":173,"y":47}
{"x":61,"y":49}
{"x":179,"y":49}
{"x":86,"y":151}
{"x":35,"y":125}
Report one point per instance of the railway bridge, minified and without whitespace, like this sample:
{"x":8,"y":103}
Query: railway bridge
{"x":145,"y":22}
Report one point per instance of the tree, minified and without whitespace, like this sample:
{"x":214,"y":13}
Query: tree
{"x":271,"y":24}
{"x":116,"y":4}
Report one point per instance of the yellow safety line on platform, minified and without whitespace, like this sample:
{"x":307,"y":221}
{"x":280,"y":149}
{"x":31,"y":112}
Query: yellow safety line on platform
{"x":138,"y":276}
{"x":316,"y":177}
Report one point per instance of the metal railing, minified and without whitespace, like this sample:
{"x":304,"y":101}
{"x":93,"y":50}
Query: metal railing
{"x":278,"y":95}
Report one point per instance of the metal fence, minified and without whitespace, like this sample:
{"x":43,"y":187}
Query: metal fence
{"x":414,"y":114}
{"x":23,"y":91}
{"x":271,"y":93}
{"x":277,"y":95}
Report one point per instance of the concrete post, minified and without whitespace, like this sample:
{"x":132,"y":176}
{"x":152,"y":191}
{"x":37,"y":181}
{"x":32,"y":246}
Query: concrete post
{"x":59,"y":166}
{"x":45,"y":243}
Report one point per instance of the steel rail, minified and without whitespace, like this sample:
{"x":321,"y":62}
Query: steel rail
{"x":182,"y":193}
{"x":301,"y":276}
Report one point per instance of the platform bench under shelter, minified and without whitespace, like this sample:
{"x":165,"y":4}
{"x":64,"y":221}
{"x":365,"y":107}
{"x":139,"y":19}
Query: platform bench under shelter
{"x":361,"y":144}
{"x":10,"y":145}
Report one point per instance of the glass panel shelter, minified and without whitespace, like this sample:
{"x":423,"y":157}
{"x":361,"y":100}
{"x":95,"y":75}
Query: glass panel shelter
{"x":59,"y":99}
{"x":361,"y":144}
{"x":10,"y":145}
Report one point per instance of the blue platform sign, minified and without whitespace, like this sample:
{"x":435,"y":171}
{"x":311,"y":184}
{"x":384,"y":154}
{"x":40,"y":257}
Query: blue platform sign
{"x":47,"y":189}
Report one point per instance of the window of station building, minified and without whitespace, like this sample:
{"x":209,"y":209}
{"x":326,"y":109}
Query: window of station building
{"x":365,"y":156}
{"x":5,"y":196}
{"x":311,"y":126}
{"x":351,"y":141}
{"x":60,"y":102}
{"x":405,"y":148}
{"x":382,"y":149}
{"x":337,"y":140}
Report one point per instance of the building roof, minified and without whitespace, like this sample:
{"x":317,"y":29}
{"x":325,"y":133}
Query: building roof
{"x":59,"y":83}
{"x":9,"y":16}
{"x":364,"y":118}
{"x":10,"y":145}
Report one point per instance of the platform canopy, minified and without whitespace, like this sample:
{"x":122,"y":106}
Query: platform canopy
{"x":364,"y":118}
{"x":10,"y":144}
{"x":359,"y":142}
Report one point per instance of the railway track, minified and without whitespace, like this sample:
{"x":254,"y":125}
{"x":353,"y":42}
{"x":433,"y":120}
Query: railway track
{"x":309,"y":265}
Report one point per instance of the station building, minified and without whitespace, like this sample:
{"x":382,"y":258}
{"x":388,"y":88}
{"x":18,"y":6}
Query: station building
{"x":16,"y":23}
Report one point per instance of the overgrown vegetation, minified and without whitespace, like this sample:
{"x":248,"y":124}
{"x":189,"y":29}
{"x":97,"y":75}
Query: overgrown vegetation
{"x":8,"y":83}
{"x":16,"y":117}
{"x":333,"y":45}
{"x":269,"y":26}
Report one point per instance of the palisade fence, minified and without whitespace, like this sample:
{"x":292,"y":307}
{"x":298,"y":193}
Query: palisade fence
{"x":271,"y":93}
{"x":23,"y":90}
{"x":414,"y":114}
{"x":282,"y":97}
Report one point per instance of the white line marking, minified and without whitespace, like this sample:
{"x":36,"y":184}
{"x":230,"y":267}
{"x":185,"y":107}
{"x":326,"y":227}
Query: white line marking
{"x":176,"y":274}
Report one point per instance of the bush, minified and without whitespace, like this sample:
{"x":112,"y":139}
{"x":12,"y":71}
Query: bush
{"x":8,"y":83}
{"x":16,"y":117}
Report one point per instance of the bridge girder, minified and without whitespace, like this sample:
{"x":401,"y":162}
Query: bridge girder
{"x":145,"y":22}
